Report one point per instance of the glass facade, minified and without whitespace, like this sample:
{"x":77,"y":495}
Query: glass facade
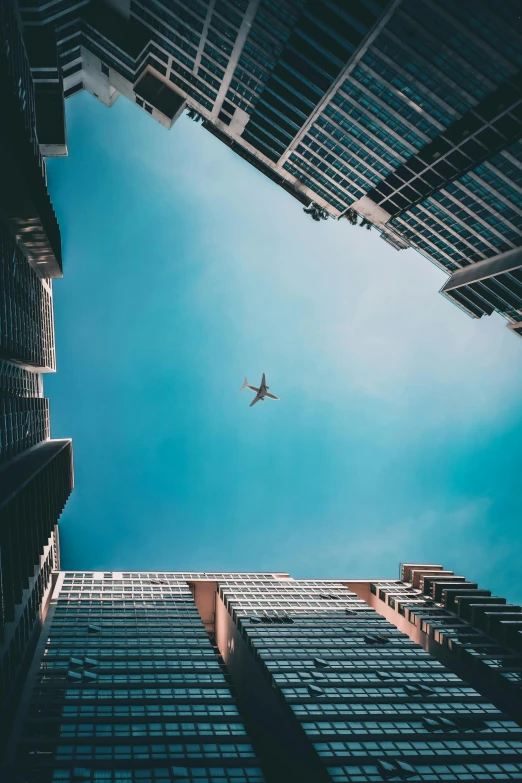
{"x":24,"y":200}
{"x":413,"y":109}
{"x":475,"y":633}
{"x":35,"y":487}
{"x":24,"y":412}
{"x":244,"y":677}
{"x":35,"y":472}
{"x":130,"y":687}
{"x":363,"y":692}
{"x":26,"y":309}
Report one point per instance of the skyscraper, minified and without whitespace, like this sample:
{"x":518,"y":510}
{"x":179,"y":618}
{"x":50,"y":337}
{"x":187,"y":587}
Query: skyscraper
{"x":34,"y":487}
{"x":35,"y":472}
{"x":24,"y":201}
{"x":477,"y":634}
{"x":146,"y":676}
{"x":406,"y":113}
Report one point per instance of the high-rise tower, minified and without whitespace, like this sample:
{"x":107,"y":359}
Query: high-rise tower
{"x":477,"y":634}
{"x":35,"y":472}
{"x":243,"y":678}
{"x":34,"y":487}
{"x":406,"y":113}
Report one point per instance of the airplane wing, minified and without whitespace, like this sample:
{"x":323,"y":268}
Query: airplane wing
{"x":256,"y":399}
{"x":263,"y":382}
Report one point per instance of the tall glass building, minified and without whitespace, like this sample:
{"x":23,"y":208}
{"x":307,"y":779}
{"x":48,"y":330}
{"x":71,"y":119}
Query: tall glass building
{"x":30,"y":252}
{"x":406,"y":113}
{"x":35,"y":472}
{"x":477,"y":634}
{"x":34,"y":487}
{"x":127,"y":685}
{"x":215,"y":677}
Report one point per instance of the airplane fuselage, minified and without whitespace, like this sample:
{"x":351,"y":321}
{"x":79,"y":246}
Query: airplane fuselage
{"x":261,"y":392}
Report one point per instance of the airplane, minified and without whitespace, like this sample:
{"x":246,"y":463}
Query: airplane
{"x":261,"y":393}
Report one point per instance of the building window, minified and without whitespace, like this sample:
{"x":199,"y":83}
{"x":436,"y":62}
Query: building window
{"x":72,"y":90}
{"x":224,"y":118}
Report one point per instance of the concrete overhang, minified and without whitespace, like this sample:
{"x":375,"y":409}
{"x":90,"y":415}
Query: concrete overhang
{"x":371,"y":211}
{"x":488,"y":267}
{"x":516,"y":328}
{"x":160,"y":93}
{"x":407,"y":568}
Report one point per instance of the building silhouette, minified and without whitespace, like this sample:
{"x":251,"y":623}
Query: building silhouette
{"x":35,"y":472}
{"x":404,"y":115}
{"x":34,"y":487}
{"x":243,"y":677}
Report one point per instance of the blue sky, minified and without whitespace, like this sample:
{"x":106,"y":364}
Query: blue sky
{"x":397,"y":436}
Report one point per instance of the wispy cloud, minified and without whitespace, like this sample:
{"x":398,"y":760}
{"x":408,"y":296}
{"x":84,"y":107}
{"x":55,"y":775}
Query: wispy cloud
{"x":186,"y":269}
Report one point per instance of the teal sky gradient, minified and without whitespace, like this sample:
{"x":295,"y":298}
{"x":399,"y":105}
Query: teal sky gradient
{"x":398,"y":433}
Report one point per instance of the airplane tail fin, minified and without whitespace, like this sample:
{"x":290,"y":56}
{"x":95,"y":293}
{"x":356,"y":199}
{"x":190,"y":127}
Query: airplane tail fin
{"x":245,"y":384}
